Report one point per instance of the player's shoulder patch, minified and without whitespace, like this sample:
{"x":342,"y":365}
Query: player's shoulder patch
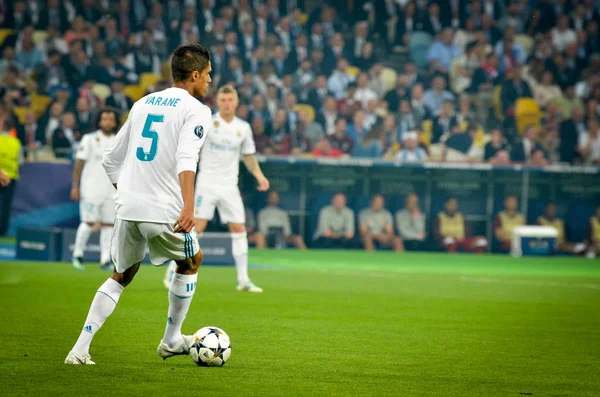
{"x":199,"y":131}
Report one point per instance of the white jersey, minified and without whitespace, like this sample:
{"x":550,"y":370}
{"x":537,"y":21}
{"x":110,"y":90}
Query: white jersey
{"x":220,"y":157}
{"x":95,"y":185}
{"x":161,"y":138}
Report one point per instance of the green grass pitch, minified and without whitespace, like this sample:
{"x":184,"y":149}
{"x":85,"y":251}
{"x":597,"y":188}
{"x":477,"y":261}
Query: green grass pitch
{"x":329,"y":324}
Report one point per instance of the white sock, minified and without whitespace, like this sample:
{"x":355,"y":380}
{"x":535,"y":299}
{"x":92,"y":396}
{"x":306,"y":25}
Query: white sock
{"x":102,"y":306}
{"x":81,"y":239}
{"x":105,"y":240}
{"x":181,"y":292}
{"x":171,"y":269}
{"x":239,"y":249}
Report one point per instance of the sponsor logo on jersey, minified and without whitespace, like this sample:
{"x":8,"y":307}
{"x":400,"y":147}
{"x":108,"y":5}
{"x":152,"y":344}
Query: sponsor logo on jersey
{"x":216,"y":123}
{"x":199,"y":131}
{"x":239,"y":133}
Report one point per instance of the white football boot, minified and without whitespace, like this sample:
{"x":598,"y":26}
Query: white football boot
{"x":165,"y":351}
{"x":76,"y":359}
{"x":249,"y":287}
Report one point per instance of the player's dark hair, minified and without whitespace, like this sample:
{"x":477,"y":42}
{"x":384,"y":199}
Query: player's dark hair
{"x":188,"y":58}
{"x":114,"y":112}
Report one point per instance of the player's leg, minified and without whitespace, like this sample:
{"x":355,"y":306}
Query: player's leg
{"x":128,"y":247}
{"x":184,"y":249}
{"x":107,"y":216}
{"x":231,"y":209}
{"x":88,"y":216}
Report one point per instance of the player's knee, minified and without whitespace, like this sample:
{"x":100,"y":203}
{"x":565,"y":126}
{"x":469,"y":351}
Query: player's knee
{"x":237,"y":228}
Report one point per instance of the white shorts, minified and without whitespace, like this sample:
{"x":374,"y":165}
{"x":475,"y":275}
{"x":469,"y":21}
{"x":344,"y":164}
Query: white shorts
{"x":129,"y":239}
{"x":227,"y":200}
{"x":92,"y":211}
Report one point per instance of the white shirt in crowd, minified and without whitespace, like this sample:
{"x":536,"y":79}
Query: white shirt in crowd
{"x":94,"y":181}
{"x":161,"y":138}
{"x":220,"y":157}
{"x":561,"y":39}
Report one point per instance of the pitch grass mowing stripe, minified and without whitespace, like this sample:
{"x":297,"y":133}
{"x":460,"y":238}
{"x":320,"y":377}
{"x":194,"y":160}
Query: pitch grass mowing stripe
{"x":330,"y":329}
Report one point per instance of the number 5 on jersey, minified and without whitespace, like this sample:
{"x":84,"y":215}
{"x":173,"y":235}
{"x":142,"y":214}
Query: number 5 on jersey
{"x":148,"y":132}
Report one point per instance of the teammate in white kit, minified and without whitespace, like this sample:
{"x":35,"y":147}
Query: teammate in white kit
{"x":95,"y":194}
{"x":152,"y":164}
{"x":217,"y":181}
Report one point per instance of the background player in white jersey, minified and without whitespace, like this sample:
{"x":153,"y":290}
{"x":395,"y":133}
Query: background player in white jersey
{"x":92,"y":188}
{"x":217,"y":180}
{"x":152,"y":164}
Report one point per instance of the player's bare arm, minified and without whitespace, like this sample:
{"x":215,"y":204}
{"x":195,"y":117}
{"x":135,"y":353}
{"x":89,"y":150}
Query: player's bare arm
{"x":77,"y":169}
{"x":253,"y":167}
{"x":186,"y":221}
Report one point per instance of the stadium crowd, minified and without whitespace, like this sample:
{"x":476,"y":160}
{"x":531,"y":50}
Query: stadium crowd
{"x":498,"y":81}
{"x":501,"y":81}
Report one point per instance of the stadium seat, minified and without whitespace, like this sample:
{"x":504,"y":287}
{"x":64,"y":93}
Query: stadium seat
{"x":497,"y":103}
{"x":526,"y":41}
{"x":4,"y":33}
{"x":527,"y":112}
{"x":148,"y":80}
{"x":101,"y":90}
{"x":389,"y":78}
{"x":308,"y":108}
{"x":20,"y":113}
{"x":39,"y":36}
{"x":135,"y":92}
{"x":419,"y":45}
{"x":352,"y":71}
{"x":39,"y":103}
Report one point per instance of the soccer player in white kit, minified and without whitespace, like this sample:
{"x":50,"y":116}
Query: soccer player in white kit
{"x":217,"y":180}
{"x":96,"y":193}
{"x":152,"y":164}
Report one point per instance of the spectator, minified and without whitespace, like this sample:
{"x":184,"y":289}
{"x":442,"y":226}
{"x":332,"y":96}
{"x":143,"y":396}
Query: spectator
{"x":336,"y":225}
{"x":262,"y":141}
{"x":28,"y":56}
{"x":513,"y":18}
{"x":410,"y":223}
{"x":538,"y":158}
{"x":411,"y":152}
{"x":432,"y":23}
{"x":484,"y":79}
{"x":255,"y":237}
{"x":502,"y":158}
{"x":496,"y":144}
{"x":20,"y":16}
{"x":506,"y":221}
{"x":310,"y":129}
{"x":323,"y":148}
{"x":443,"y":52}
{"x":453,"y":232}
{"x":65,"y":137}
{"x":460,"y":145}
{"x":407,"y":119}
{"x":54,"y":14}
{"x":8,"y":60}
{"x":434,"y":98}
{"x":589,"y":143}
{"x":568,"y":102}
{"x":509,"y":47}
{"x":357,"y":129}
{"x":10,"y":151}
{"x":50,"y":121}
{"x":259,"y":109}
{"x":550,"y":218}
{"x":570,"y":130}
{"x":400,"y":92}
{"x":463,"y":68}
{"x":84,"y":115}
{"x":340,"y":140}
{"x":295,"y":143}
{"x":562,"y":35}
{"x":274,"y":224}
{"x":328,"y":115}
{"x":522,"y":152}
{"x":32,"y":135}
{"x":366,"y":59}
{"x":444,"y":123}
{"x":118,"y":99}
{"x":547,"y":91}
{"x":420,"y":110}
{"x":363,"y":93}
{"x":376,"y":227}
{"x":370,"y":145}
{"x":303,"y":78}
{"x":551,"y":144}
{"x":319,"y":94}
{"x":593,"y":235}
{"x":279,"y":131}
{"x":339,"y":79}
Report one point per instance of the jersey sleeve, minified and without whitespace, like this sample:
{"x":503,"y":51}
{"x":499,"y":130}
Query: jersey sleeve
{"x":248,"y":146}
{"x":114,"y":156}
{"x":83,"y":153}
{"x":191,"y":138}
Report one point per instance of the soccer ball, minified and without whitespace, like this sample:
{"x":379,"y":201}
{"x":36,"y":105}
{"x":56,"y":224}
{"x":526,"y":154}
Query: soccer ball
{"x":211,"y":347}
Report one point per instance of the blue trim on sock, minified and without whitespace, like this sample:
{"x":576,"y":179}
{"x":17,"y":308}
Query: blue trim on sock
{"x":108,"y":296}
{"x":181,"y":297}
